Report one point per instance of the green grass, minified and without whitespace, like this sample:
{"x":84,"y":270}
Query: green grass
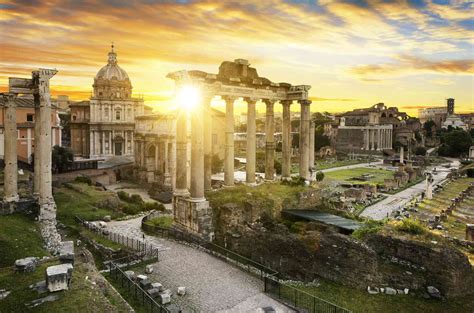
{"x":346,"y":175}
{"x":82,"y":297}
{"x":71,"y":202}
{"x":410,"y":184}
{"x":101,"y":239}
{"x":325,"y":164}
{"x":161,"y":221}
{"x":19,"y":238}
{"x":360,"y":301}
{"x":411,"y":226}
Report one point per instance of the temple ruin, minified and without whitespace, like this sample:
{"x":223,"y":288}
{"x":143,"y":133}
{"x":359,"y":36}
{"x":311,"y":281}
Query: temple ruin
{"x":235,"y":80}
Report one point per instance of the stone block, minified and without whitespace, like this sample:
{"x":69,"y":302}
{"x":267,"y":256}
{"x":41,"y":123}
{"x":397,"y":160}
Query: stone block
{"x":154,"y":292}
{"x":66,"y":252}
{"x":58,"y":277}
{"x":433,"y":292}
{"x":390,"y":291}
{"x":145,"y":284}
{"x":157,"y":286}
{"x":102,"y":224}
{"x":149,"y":269}
{"x":181,"y":291}
{"x":165,"y":298}
{"x":107,"y":218}
{"x":130,"y":274}
{"x":26,"y":265}
{"x":141,"y":277}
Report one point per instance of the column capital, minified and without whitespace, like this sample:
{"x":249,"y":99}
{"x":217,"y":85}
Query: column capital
{"x":286,"y":102}
{"x":304,"y":102}
{"x":250,"y":100}
{"x":268,"y":101}
{"x":9,"y":98}
{"x":228,"y":98}
{"x":44,"y":73}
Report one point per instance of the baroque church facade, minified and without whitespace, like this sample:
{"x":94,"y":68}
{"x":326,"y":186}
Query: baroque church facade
{"x":104,"y":126}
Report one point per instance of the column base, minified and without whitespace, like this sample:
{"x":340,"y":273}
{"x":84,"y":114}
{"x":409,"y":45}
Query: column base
{"x":286,"y":178}
{"x":47,"y":210}
{"x":253,"y":184}
{"x":13,"y":198}
{"x":195,"y":216}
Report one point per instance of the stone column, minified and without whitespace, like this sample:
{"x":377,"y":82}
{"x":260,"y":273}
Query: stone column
{"x":207,"y":115}
{"x":181,"y":155}
{"x":167,"y":181}
{"x":304,"y":138}
{"x":269,"y":141}
{"x":367,"y":139}
{"x":379,"y":139}
{"x":197,"y":154}
{"x":46,"y":201}
{"x":311,"y":146}
{"x":286,"y":140}
{"x":401,"y":154}
{"x":10,"y":149}
{"x":229,"y":142}
{"x":372,"y":139}
{"x":251,"y":142}
{"x":36,"y":150}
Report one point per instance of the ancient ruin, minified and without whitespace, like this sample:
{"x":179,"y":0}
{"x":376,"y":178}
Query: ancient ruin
{"x":235,"y":80}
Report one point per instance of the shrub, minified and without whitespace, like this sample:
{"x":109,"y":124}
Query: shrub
{"x":131,"y":209}
{"x":410,"y":226}
{"x":149,"y":206}
{"x":370,"y":227}
{"x":319,"y":176}
{"x":83,"y":179}
{"x":295,"y":181}
{"x":420,"y":151}
{"x":136,"y":199}
{"x":123,"y":196}
{"x":162,"y":221}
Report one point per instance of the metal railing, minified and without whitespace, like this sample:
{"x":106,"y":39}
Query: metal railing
{"x":142,"y":247}
{"x":135,"y":290}
{"x":273,"y":286}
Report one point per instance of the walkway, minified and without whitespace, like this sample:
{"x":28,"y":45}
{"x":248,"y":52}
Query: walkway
{"x":346,"y":167}
{"x":212,"y":285}
{"x":384,"y":208}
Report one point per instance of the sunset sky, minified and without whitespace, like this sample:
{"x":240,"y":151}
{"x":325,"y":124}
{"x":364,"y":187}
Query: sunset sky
{"x":409,"y":54}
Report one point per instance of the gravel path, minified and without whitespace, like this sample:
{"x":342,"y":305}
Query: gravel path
{"x":212,"y":285}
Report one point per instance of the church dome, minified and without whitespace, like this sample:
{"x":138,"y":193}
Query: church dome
{"x":112,"y":70}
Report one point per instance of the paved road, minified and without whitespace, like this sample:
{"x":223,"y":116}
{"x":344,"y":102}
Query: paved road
{"x":332,"y":169}
{"x":384,"y":208}
{"x":212,"y":285}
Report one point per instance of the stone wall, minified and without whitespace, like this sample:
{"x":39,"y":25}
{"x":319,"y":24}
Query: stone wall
{"x":377,"y":261}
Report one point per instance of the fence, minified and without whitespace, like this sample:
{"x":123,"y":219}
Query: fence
{"x":142,"y":247}
{"x":272,"y":284}
{"x":135,"y":290}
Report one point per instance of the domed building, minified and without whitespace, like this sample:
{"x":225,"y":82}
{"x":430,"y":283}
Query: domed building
{"x":104,"y":125}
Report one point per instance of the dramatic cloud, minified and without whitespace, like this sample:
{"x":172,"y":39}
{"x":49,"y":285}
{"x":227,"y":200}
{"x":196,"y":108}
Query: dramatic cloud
{"x":344,"y":49}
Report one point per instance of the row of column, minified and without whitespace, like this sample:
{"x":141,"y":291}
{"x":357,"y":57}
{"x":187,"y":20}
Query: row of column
{"x":42,"y":149}
{"x":377,"y":139}
{"x":201,"y":145}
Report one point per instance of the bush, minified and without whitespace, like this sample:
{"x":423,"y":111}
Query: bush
{"x":420,"y":151}
{"x":410,"y":226}
{"x":123,"y":196}
{"x":131,"y":209}
{"x":136,"y":199}
{"x":161,"y":221}
{"x":370,"y":227}
{"x":83,"y":179}
{"x":149,"y":206}
{"x":295,"y":181}
{"x":319,"y":176}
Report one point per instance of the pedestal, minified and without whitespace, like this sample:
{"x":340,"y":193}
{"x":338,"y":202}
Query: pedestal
{"x":194,"y":216}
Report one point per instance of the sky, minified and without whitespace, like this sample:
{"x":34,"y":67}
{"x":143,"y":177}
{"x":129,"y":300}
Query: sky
{"x":408,"y":54}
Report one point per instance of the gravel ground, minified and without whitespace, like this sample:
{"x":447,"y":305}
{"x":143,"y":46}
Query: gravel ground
{"x":211,"y":284}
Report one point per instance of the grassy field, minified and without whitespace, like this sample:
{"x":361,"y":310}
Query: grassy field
{"x":463,"y":214}
{"x":82,"y":297}
{"x":347,"y":175}
{"x":325,"y":164}
{"x":19,"y":238}
{"x":81,"y":201}
{"x":360,"y":301}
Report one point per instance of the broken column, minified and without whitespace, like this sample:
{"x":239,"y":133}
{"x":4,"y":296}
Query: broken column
{"x":207,"y":116}
{"x":251,"y":142}
{"x":58,"y":277}
{"x":10,"y":150}
{"x":304,"y":138}
{"x":429,"y":186}
{"x":269,"y":141}
{"x":46,"y":201}
{"x":286,"y":140}
{"x":229,"y":142}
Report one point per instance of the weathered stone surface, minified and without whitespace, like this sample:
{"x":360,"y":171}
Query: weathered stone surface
{"x":181,"y":291}
{"x":107,"y":218}
{"x":66,"y":253}
{"x":26,"y":265}
{"x":149,"y":269}
{"x":153,"y":292}
{"x":4,"y":293}
{"x":165,"y":298}
{"x":58,"y":277}
{"x":141,"y":277}
{"x":157,"y":286}
{"x":390,"y":291}
{"x":130,"y":274}
{"x":433,"y":292}
{"x":145,"y":284}
{"x":37,"y":302}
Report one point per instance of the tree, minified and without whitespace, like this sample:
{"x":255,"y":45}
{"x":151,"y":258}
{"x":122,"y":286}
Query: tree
{"x":319,"y":176}
{"x":216,"y":164}
{"x":420,"y":151}
{"x":455,"y":143}
{"x":61,"y":157}
{"x":428,"y":127}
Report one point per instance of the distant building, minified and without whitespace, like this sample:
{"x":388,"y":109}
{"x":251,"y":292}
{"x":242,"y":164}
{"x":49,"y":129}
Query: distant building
{"x":104,"y":126}
{"x":26,"y":119}
{"x":453,"y":120}
{"x":436,"y":114}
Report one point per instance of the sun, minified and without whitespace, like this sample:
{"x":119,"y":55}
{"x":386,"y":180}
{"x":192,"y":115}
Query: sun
{"x":188,"y":97}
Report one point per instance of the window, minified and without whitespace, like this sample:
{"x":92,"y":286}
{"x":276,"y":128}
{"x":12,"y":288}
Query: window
{"x":117,"y":115}
{"x":30,"y":117}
